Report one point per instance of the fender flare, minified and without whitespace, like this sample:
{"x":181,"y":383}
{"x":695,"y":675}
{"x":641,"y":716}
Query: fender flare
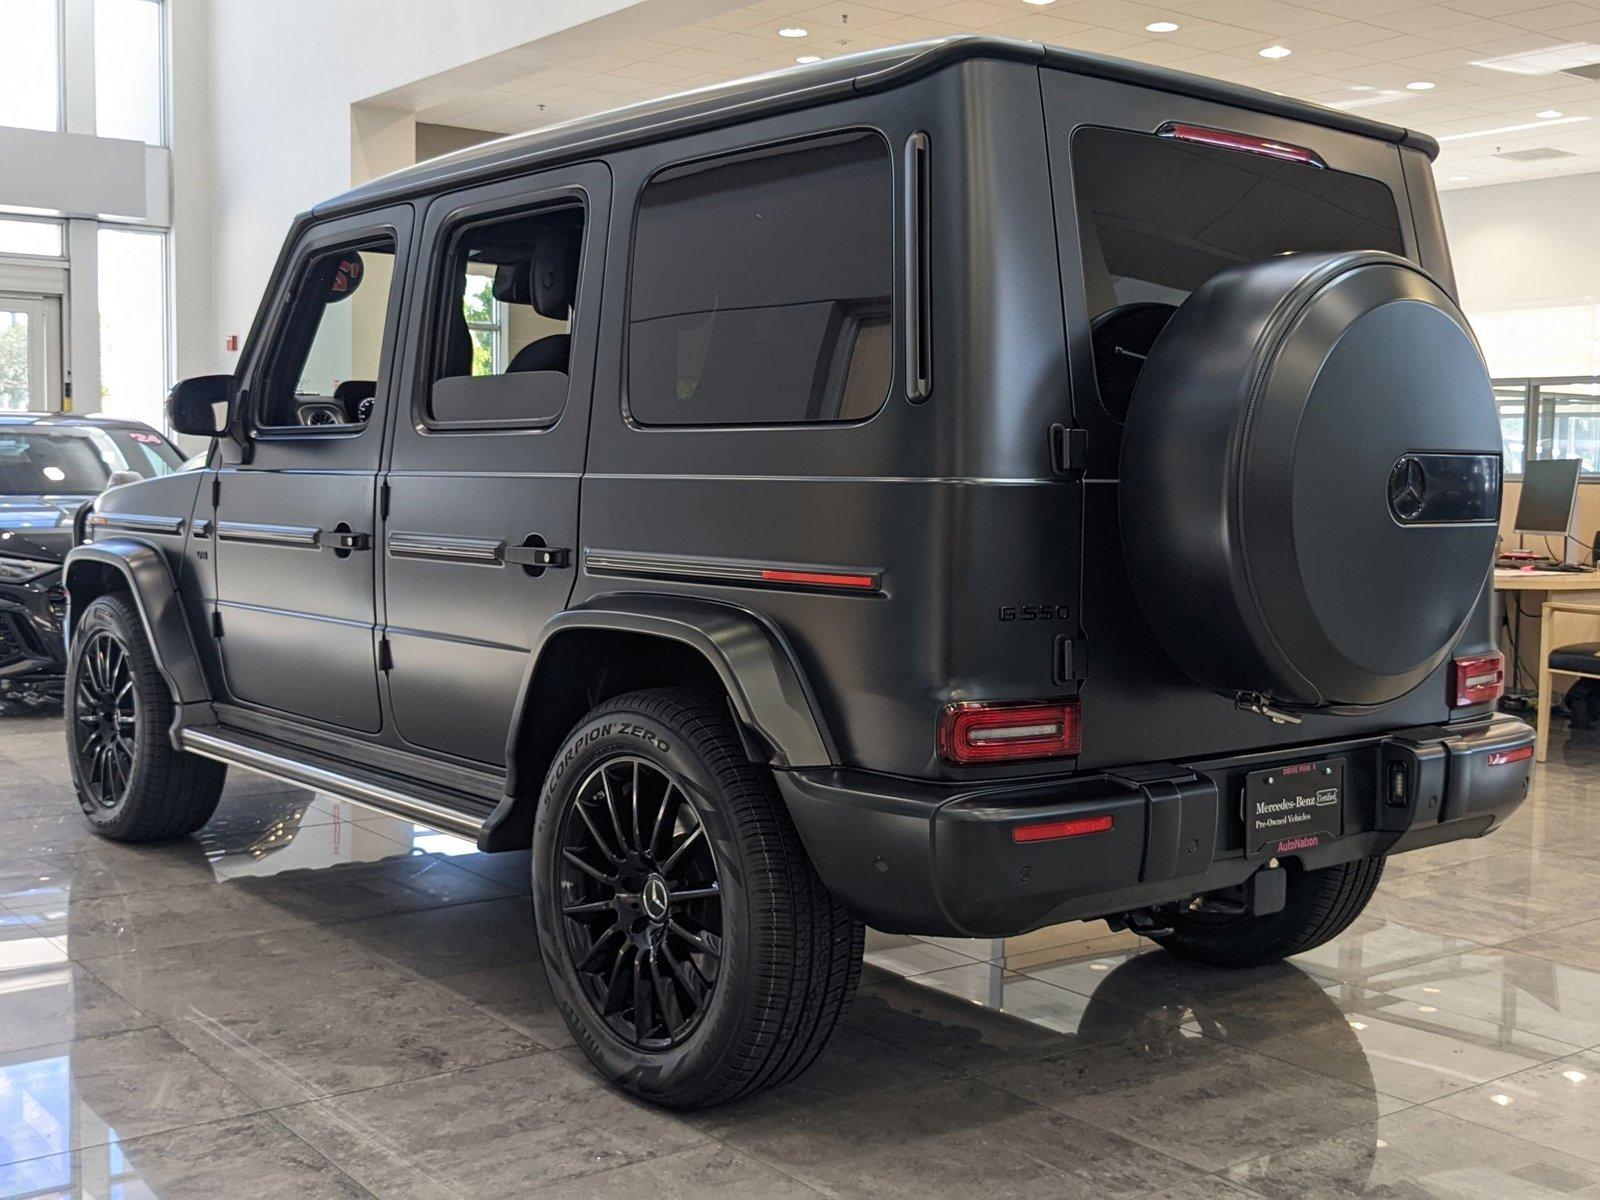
{"x":149,"y":581}
{"x":752,"y":658}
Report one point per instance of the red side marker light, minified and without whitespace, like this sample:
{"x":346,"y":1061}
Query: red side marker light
{"x":1049,"y":831}
{"x":1478,"y":680}
{"x":1500,"y":758}
{"x":1227,"y":140}
{"x":819,"y":579}
{"x":983,"y":732}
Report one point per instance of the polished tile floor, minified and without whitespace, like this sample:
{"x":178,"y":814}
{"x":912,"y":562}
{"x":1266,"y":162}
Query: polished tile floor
{"x":309,"y":999}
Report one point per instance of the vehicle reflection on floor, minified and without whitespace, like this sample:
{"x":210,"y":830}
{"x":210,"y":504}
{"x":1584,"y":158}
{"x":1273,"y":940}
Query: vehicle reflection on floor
{"x":311,"y":999}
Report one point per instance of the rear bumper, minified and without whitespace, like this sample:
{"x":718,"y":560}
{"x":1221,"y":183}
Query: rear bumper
{"x":909,"y":856}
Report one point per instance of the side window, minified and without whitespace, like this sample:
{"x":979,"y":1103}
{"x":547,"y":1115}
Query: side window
{"x":503,"y":345}
{"x":762,"y":285}
{"x":323,"y":368}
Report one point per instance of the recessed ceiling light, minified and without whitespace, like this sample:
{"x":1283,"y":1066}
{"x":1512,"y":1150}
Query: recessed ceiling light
{"x":809,"y":58}
{"x":1039,"y":3}
{"x":1549,"y":114}
{"x":1421,"y":85}
{"x":1161,"y":27}
{"x":1275,"y":52}
{"x":791,"y":31}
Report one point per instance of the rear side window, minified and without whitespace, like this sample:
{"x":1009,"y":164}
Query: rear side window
{"x":504,"y":349}
{"x":762,"y":285}
{"x":1158,"y":217}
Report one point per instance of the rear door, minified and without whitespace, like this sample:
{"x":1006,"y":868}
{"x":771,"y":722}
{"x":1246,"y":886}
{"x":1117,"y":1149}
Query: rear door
{"x":1155,"y":193}
{"x":481,"y":490}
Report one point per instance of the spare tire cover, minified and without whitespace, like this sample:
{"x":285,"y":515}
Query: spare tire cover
{"x":1310,"y":482}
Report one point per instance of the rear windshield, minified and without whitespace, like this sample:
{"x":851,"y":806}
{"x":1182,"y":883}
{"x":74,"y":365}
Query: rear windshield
{"x":78,"y":460}
{"x":1158,"y":217}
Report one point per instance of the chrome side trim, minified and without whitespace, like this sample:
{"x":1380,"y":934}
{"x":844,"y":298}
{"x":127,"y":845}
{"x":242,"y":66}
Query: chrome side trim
{"x":435,"y":547}
{"x":137,"y":523}
{"x":741,"y":571}
{"x":294,"y":537}
{"x":358,"y":791}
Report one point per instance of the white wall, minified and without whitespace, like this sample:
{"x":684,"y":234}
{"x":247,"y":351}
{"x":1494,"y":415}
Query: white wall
{"x":283,"y":80}
{"x":1527,"y":260}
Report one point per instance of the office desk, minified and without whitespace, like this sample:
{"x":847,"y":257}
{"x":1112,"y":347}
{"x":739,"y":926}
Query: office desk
{"x":1581,"y":587}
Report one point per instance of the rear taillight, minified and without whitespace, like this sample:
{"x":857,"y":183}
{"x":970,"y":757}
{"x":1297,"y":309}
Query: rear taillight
{"x":1478,"y":680}
{"x":1501,"y":758}
{"x":1227,"y":140}
{"x":1050,"y":831}
{"x":980,"y":733}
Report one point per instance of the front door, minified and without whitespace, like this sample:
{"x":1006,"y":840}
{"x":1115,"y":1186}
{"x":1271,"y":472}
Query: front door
{"x":482,"y":485}
{"x":294,"y":523}
{"x":30,"y":353}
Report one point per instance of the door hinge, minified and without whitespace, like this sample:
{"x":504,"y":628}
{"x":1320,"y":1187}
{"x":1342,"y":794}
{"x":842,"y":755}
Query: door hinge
{"x":216,"y":490}
{"x":1069,"y":449}
{"x":1071,"y":660}
{"x":385,"y":655}
{"x":383,"y":500}
{"x":216,"y":623}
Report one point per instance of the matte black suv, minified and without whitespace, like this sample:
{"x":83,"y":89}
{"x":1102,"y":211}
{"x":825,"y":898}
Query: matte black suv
{"x":958,"y":488}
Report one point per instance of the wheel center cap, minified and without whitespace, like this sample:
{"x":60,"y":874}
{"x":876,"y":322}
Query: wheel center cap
{"x":655,"y":898}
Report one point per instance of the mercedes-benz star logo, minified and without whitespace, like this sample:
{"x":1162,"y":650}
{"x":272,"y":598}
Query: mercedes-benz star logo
{"x":1408,"y":488}
{"x":655,"y":898}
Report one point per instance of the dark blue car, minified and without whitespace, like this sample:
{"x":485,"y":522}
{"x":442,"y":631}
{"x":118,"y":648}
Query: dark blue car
{"x":50,"y":466}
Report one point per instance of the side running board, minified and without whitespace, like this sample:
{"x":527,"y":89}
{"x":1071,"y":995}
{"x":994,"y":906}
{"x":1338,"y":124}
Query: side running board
{"x":418,"y":802}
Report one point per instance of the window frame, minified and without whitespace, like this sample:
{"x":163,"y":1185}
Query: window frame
{"x":441,"y":254}
{"x":314,"y":243}
{"x":896,"y":299}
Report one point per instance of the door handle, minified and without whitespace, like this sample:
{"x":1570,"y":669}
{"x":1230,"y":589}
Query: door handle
{"x":536,"y":556}
{"x":344,"y":540}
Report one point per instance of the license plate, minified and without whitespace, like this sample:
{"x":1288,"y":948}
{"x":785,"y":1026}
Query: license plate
{"x":1294,"y":807}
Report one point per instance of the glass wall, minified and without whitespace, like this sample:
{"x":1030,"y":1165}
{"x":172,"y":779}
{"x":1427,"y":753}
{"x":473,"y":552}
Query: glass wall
{"x":133,"y":324}
{"x":30,"y":80}
{"x":1555,"y":417}
{"x":127,"y":70}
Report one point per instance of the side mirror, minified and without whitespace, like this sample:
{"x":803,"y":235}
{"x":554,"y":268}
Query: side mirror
{"x":202,"y":406}
{"x":118,"y":478}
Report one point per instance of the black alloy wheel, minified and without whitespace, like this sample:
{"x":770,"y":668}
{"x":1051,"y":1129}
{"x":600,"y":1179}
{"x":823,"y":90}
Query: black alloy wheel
{"x":105,"y":712}
{"x":641,"y":902}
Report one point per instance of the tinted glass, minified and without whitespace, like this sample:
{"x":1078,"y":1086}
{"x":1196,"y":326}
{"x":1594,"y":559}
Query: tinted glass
{"x":505,"y":340}
{"x":77,"y":461}
{"x":324,"y":367}
{"x":1159,"y":216}
{"x":762,"y":286}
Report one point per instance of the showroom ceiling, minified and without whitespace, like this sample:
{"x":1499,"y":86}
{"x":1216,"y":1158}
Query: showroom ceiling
{"x":1511,"y":88}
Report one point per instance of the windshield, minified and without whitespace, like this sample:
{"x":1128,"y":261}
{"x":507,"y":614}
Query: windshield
{"x":78,"y":460}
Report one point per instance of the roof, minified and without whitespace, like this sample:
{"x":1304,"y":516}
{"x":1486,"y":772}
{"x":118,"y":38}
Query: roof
{"x":821,"y":83}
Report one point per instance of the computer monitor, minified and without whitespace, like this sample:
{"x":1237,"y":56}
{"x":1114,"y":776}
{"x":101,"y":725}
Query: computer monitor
{"x":1549,"y":491}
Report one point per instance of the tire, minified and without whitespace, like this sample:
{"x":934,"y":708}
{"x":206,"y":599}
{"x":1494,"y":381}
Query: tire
{"x":131,"y":783}
{"x":1320,"y":905}
{"x":749,"y":998}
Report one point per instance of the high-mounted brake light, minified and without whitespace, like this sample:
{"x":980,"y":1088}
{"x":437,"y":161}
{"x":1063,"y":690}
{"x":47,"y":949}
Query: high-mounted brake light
{"x":1227,"y":140}
{"x":1478,"y":679}
{"x":981,"y":732}
{"x":1050,"y":831}
{"x":1500,"y":758}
